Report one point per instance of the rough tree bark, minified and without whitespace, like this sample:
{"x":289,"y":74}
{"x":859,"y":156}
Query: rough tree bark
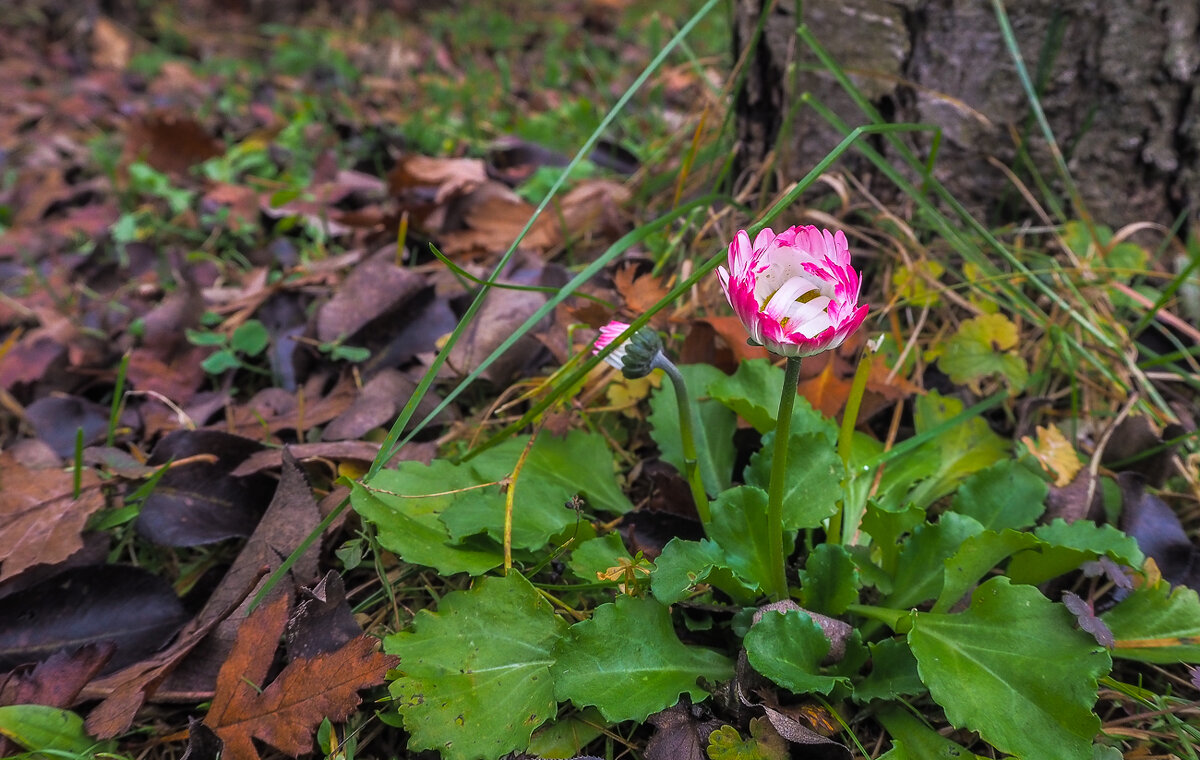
{"x":1120,"y":85}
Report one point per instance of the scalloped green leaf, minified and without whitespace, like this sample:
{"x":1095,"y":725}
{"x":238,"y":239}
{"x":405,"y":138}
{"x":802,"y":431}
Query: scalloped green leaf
{"x":555,"y":469}
{"x":739,"y":527}
{"x":956,"y":453}
{"x":1006,"y":495}
{"x":1069,"y":545}
{"x":469,"y":686}
{"x":753,"y":391}
{"x":981,"y":347}
{"x":714,"y":431}
{"x":788,"y":648}
{"x":920,"y":568}
{"x":412,"y":527}
{"x":628,"y":663}
{"x":1157,"y":624}
{"x":912,"y":738}
{"x":829,"y":582}
{"x":814,"y":478}
{"x":685,"y":564}
{"x":596,"y":555}
{"x":893,"y":673}
{"x":1013,"y":668}
{"x":978,"y":555}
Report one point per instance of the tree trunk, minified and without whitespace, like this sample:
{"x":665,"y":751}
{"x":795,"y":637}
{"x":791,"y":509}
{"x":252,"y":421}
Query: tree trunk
{"x":1117,"y":80}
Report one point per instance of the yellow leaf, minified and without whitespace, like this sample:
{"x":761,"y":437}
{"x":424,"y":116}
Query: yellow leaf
{"x":1055,"y":453}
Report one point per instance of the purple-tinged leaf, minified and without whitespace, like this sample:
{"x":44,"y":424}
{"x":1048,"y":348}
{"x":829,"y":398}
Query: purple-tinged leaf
{"x":1086,"y":617}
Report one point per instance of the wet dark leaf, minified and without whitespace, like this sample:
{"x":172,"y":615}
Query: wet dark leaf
{"x":1158,"y":532}
{"x":1136,"y":447}
{"x":136,"y":610}
{"x":57,"y":680}
{"x":681,"y":733}
{"x":55,"y":420}
{"x":290,"y":518}
{"x":380,"y":402}
{"x":323,"y":621}
{"x":201,"y":502}
{"x":375,"y":289}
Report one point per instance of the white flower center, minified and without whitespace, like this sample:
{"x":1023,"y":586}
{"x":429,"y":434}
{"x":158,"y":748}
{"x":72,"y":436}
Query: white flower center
{"x":799,"y":306}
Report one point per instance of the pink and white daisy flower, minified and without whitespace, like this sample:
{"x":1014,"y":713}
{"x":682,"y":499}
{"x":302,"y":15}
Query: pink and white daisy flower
{"x":796,"y":292}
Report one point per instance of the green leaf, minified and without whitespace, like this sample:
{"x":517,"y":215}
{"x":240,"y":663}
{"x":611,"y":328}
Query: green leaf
{"x":597,"y":555}
{"x":221,"y":361}
{"x":829,"y":582}
{"x":893,"y":673}
{"x":984,"y":346}
{"x":1005,"y":495}
{"x":568,"y":736}
{"x":960,"y":451}
{"x":204,"y":338}
{"x":764,"y":743}
{"x":540,"y":495}
{"x":1013,"y":668}
{"x":788,"y":648}
{"x":1157,"y":624}
{"x":714,"y":430}
{"x":754,"y":390}
{"x":411,"y":527}
{"x":39,"y":728}
{"x":920,"y":568}
{"x":1066,"y":546}
{"x":814,"y":478}
{"x":912,"y":739}
{"x":978,"y":555}
{"x":739,"y":527}
{"x":685,"y":564}
{"x":475,"y":675}
{"x":886,"y":527}
{"x":628,"y":662}
{"x":581,"y":463}
{"x":250,"y":337}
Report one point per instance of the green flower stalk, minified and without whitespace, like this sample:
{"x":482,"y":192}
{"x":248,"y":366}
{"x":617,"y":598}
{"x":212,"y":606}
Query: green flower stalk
{"x":638,"y":357}
{"x":797,"y":295}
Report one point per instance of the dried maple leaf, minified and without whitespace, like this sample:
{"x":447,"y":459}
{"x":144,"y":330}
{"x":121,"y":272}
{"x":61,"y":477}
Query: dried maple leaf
{"x":40,"y":518}
{"x":285,"y":713}
{"x":639,"y":292}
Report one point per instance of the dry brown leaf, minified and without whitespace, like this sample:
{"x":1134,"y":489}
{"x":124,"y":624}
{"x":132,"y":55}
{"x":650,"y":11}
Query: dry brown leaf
{"x":170,"y":142}
{"x":640,"y":293}
{"x":40,"y":518}
{"x":451,"y":176}
{"x":285,"y":713}
{"x":828,"y":389}
{"x":125,"y":691}
{"x":112,"y":44}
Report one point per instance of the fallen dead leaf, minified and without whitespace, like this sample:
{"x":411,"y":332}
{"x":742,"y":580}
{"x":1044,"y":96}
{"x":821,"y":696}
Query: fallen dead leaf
{"x":286,"y":712}
{"x":170,"y":142}
{"x":1056,"y":455}
{"x":41,"y":520}
{"x":639,"y":291}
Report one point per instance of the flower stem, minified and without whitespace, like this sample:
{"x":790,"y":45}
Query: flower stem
{"x":783,"y":427}
{"x":687,"y":435}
